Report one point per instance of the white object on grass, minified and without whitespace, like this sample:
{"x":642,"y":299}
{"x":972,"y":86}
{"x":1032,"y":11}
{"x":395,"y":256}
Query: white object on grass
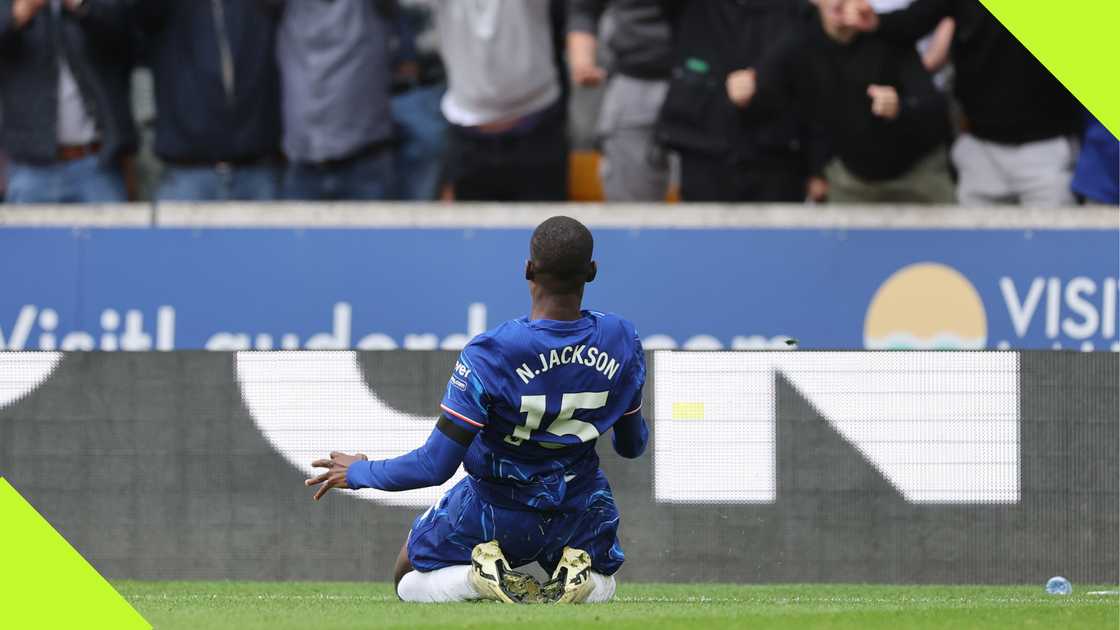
{"x":1058,"y":585}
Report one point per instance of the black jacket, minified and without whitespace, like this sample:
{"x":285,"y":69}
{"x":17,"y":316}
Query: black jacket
{"x":711,"y":38}
{"x":831,"y":91}
{"x":198,"y":118}
{"x":1006,"y":94}
{"x":97,"y":49}
{"x":641,"y":42}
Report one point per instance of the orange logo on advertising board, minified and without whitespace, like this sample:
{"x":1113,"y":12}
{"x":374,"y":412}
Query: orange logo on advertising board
{"x":926,"y":306}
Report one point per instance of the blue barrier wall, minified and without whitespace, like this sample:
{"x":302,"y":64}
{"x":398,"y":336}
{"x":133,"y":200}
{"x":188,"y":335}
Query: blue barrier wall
{"x":428,"y":288}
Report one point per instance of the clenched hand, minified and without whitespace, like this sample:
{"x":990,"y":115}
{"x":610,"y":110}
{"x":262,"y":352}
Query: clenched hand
{"x":741,"y":87}
{"x":884,"y":101}
{"x":585,"y":71}
{"x":859,"y":15}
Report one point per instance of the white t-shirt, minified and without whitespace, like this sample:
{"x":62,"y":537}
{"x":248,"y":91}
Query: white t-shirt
{"x":499,"y":59}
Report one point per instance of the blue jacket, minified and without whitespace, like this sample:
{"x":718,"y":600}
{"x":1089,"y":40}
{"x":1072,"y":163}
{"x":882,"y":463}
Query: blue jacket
{"x":216,"y":81}
{"x":96,"y":45}
{"x":1097,"y":177}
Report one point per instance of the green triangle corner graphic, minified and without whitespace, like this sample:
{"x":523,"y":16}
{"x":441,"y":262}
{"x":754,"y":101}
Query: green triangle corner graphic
{"x":46,"y":583}
{"x":1078,"y":42}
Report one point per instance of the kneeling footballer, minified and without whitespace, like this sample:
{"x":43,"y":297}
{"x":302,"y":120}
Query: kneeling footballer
{"x":524,"y":408}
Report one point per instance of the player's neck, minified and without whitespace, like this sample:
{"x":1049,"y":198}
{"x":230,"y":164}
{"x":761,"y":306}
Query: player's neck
{"x":564,"y":308}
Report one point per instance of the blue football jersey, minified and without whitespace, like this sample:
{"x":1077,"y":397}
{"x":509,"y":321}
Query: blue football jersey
{"x":539,"y":394}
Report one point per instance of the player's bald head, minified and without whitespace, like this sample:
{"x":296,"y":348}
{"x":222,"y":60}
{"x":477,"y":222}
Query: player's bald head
{"x":560,"y":255}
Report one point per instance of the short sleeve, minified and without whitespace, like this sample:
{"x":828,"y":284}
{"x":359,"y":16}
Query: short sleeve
{"x":466,"y":402}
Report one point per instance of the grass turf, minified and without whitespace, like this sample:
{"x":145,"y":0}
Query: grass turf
{"x":324,"y":606}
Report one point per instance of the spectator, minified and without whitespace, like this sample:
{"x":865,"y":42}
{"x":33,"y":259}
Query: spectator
{"x":730,"y":150}
{"x":505,"y":100}
{"x":634,"y":167}
{"x":217,"y":97}
{"x":64,"y":67}
{"x":886,"y":122}
{"x":419,"y":83}
{"x":1097,"y":178}
{"x":1016,"y":146}
{"x":334,"y":70}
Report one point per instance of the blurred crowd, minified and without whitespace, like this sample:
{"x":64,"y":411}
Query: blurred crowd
{"x":845,"y":101}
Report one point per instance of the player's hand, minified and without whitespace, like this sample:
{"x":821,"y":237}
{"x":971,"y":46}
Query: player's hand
{"x":859,"y":15}
{"x":581,"y":60}
{"x":24,"y":10}
{"x":335,"y":477}
{"x":884,"y":101}
{"x":741,"y":87}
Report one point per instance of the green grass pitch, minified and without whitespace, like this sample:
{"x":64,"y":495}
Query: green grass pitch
{"x":324,"y":606}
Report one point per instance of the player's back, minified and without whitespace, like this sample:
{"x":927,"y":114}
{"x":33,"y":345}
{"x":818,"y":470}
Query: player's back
{"x":542,"y":392}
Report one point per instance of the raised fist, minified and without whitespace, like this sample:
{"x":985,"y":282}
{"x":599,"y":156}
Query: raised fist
{"x":741,"y":87}
{"x":859,"y":15}
{"x":884,"y":101}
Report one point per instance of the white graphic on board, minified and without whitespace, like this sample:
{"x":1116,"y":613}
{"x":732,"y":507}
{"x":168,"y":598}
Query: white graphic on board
{"x":117,"y":333}
{"x":941,"y":427}
{"x":307,"y":404}
{"x":22,"y":372}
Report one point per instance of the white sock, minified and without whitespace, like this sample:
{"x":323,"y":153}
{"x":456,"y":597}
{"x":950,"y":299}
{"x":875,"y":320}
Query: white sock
{"x":449,"y":584}
{"x":604,"y":589}
{"x":452,"y":584}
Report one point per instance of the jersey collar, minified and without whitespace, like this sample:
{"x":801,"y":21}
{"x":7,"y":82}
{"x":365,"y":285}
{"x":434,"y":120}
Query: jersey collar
{"x":565,"y":326}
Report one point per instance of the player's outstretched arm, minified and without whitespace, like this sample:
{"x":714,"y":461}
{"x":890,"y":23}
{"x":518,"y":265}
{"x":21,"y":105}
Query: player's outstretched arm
{"x":430,"y":465}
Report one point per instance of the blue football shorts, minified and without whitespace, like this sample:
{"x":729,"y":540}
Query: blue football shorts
{"x":446,"y":534}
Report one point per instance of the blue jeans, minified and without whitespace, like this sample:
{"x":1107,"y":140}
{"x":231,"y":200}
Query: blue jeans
{"x":422,"y":135}
{"x":77,"y":181}
{"x":218,"y":183}
{"x":364,"y":178}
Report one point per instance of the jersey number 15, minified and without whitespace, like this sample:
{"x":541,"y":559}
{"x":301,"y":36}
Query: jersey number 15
{"x":534,"y":408}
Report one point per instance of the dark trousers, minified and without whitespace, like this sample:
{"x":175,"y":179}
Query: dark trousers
{"x":706,"y":178}
{"x":523,"y":165}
